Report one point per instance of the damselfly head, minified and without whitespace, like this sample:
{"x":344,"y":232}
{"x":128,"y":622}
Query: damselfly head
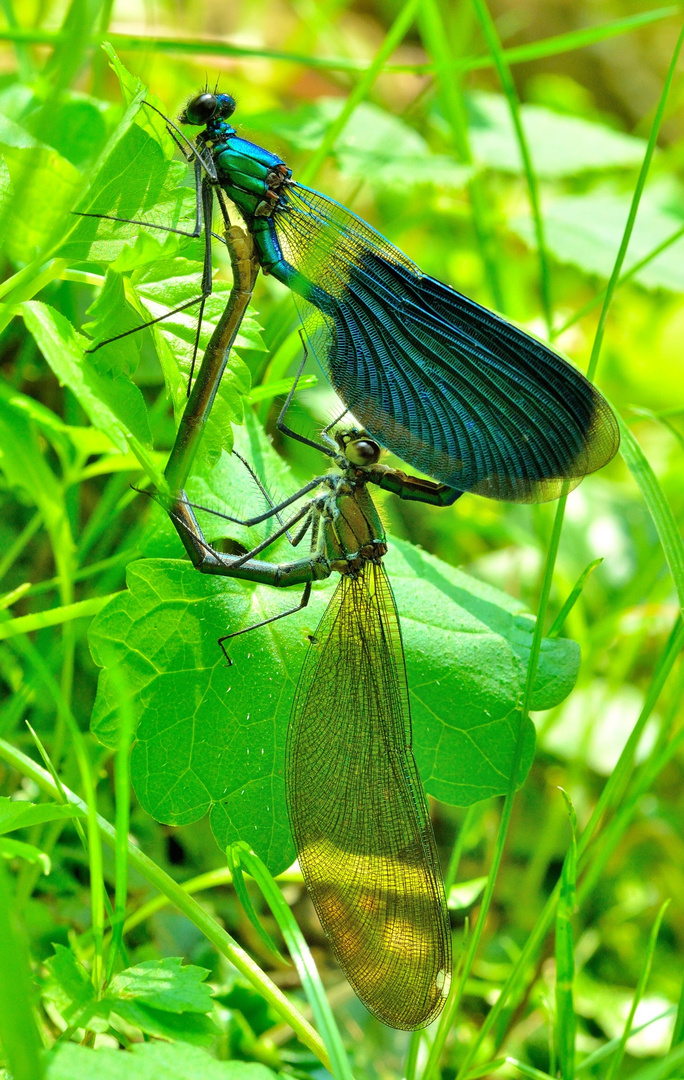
{"x":358,"y":447}
{"x":205,"y":107}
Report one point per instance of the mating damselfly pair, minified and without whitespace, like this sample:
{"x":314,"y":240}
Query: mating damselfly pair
{"x":456,"y":392}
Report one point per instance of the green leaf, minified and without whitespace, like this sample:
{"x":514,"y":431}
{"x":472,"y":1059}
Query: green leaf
{"x":135,"y":177}
{"x":161,"y":997}
{"x":15,"y":849}
{"x":42,"y":188}
{"x":586,"y":231}
{"x":144,"y":283}
{"x":16,"y":814}
{"x":163,"y":984}
{"x":114,"y":404}
{"x":70,"y":986}
{"x":560,"y":145}
{"x":198,"y":1029}
{"x":211,"y":738}
{"x":147,"y":1061}
{"x":378,"y":146}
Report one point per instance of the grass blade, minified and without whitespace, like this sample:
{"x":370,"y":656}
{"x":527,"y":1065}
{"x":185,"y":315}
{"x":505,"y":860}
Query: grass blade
{"x":122,"y":788}
{"x":658,"y":507}
{"x":27,"y":624}
{"x":636,"y":199}
{"x":508,"y":86}
{"x":303,"y":960}
{"x":535,"y":50}
{"x":18,"y":1030}
{"x":235,"y":867}
{"x":185,"y":903}
{"x":638,"y":994}
{"x":565,"y":955}
{"x":393,"y":38}
{"x":572,"y":599}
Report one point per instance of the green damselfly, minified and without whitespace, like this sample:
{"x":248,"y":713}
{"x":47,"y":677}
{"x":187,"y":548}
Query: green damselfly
{"x":356,"y":805}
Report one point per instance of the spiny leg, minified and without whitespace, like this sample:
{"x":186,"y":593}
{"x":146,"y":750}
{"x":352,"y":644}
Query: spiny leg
{"x":282,"y":426}
{"x":303,"y":602}
{"x":274,"y":511}
{"x":205,"y":195}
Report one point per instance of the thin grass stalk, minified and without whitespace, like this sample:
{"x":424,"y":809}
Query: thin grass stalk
{"x":122,"y":790}
{"x":412,"y":1055}
{"x":517,"y":54}
{"x":545,"y":920}
{"x":492,"y":38}
{"x":301,"y":955}
{"x":15,"y":549}
{"x":395,"y":35}
{"x":634,"y":207}
{"x":189,"y":907}
{"x":457,"y":851}
{"x":97,"y":889}
{"x":436,"y":40}
{"x":453,"y":1003}
{"x":622,"y":280}
{"x":616,"y":1061}
{"x":565,"y":1026}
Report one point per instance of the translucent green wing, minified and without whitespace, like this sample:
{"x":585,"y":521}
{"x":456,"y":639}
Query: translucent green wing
{"x":358,"y":812}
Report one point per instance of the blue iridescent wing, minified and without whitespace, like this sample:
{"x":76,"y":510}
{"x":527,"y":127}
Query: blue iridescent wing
{"x":450,"y":387}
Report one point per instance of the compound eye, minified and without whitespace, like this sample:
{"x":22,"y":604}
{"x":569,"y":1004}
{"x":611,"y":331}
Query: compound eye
{"x":362,"y":452}
{"x":226,"y":105}
{"x":200,"y":110}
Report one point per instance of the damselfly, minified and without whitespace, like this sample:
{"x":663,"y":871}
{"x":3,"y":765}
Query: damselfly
{"x":356,"y":805}
{"x":452,"y":388}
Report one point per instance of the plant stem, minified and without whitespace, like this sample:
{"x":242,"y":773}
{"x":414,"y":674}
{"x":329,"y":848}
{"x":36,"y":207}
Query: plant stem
{"x":223,"y":942}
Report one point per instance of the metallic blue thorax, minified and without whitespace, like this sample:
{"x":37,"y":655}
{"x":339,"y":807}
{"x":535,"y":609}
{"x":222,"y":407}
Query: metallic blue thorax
{"x":255,"y":180}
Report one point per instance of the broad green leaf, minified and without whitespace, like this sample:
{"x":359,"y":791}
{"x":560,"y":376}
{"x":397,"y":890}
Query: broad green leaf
{"x":43,"y":186}
{"x":70,"y":986}
{"x":136,"y":177}
{"x":560,"y":145}
{"x":147,"y":1061}
{"x":211,"y":738}
{"x":78,"y":128}
{"x":377,"y":146}
{"x":586,"y":230}
{"x":144,"y":284}
{"x":59,"y":434}
{"x":16,"y":814}
{"x":163,"y":984}
{"x":190,"y":1027}
{"x":161,"y":997}
{"x":114,"y":404}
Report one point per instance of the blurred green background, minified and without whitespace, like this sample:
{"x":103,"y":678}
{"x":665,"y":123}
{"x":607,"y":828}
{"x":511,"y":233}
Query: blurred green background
{"x":455,"y":200}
